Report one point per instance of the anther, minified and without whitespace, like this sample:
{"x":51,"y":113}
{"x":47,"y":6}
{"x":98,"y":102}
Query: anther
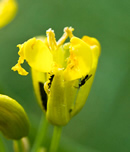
{"x":51,"y":39}
{"x":67,"y":33}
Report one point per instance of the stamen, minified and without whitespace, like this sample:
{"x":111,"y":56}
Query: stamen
{"x":51,"y":39}
{"x":67,"y":33}
{"x":53,"y":45}
{"x":47,"y":90}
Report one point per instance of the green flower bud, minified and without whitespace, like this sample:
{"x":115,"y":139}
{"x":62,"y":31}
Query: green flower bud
{"x":14,"y":122}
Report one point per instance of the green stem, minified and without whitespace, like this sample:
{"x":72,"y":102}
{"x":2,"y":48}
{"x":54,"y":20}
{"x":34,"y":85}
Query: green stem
{"x":2,"y":146}
{"x":55,"y":139}
{"x":41,"y":134}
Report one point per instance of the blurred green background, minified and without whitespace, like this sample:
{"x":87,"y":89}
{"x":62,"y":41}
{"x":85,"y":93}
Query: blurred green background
{"x":103,"y":125}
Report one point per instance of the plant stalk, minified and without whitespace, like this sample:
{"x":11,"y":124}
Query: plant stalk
{"x":41,"y":134}
{"x":2,"y":146}
{"x":55,"y":139}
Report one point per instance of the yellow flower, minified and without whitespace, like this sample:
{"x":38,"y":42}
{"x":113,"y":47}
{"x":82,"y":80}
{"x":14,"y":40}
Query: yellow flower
{"x":62,"y":73}
{"x":8,"y":10}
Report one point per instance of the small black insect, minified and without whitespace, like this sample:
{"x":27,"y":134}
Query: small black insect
{"x":70,"y":110}
{"x":83,"y":81}
{"x":51,"y":79}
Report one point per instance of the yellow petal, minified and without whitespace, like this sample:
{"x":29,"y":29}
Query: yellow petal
{"x":13,"y":119}
{"x":80,"y":60}
{"x":20,"y":70}
{"x":21,"y":50}
{"x":83,"y":93}
{"x":38,"y":55}
{"x":8,"y":10}
{"x":84,"y":90}
{"x":92,"y":42}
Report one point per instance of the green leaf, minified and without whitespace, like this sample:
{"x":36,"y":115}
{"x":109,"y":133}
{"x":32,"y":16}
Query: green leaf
{"x":14,"y":122}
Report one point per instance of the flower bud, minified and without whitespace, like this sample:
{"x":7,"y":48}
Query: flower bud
{"x":14,"y":122}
